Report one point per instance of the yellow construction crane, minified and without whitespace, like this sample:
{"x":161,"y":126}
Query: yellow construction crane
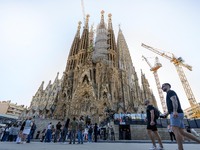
{"x":179,"y":63}
{"x":154,"y":69}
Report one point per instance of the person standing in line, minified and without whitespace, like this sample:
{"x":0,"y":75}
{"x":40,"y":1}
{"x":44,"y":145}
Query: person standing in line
{"x":10,"y":137}
{"x":20,"y":135}
{"x":43,"y":135}
{"x":53,"y":132}
{"x":49,"y":133}
{"x":65,"y":130}
{"x":33,"y":128}
{"x":73,"y":127}
{"x":112,"y":133}
{"x":5,"y":134}
{"x":81,"y":128}
{"x":152,"y":126}
{"x":1,"y":132}
{"x":85,"y":133}
{"x":15,"y":131}
{"x":58,"y":131}
{"x":171,"y":133}
{"x":27,"y":129}
{"x":176,"y":116}
{"x":95,"y":132}
{"x":90,"y":131}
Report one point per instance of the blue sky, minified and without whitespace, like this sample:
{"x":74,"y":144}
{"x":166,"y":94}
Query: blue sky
{"x":35,"y":38}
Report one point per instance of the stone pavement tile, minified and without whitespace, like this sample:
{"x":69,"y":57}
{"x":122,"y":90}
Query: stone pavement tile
{"x":89,"y":146}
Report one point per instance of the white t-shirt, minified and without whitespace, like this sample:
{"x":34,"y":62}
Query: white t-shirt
{"x":86,"y":131}
{"x":49,"y":126}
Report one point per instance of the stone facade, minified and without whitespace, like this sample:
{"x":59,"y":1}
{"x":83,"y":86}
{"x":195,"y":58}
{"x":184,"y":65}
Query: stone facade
{"x":99,"y":76}
{"x":42,"y":103}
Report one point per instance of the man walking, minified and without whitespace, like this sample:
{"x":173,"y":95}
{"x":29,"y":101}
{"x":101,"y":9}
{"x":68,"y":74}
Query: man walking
{"x":151,"y":126}
{"x":176,"y":116}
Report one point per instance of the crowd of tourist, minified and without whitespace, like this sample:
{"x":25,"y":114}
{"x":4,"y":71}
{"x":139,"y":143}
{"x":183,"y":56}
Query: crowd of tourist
{"x":68,"y":131}
{"x":19,"y":132}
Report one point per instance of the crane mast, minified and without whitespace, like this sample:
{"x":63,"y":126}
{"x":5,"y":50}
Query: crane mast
{"x":83,"y":10}
{"x":158,"y":85}
{"x":178,"y":62}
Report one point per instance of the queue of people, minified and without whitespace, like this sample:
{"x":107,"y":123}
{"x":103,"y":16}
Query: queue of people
{"x":18,"y":132}
{"x":70,"y":131}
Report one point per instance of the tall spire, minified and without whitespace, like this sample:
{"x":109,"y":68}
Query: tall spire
{"x":91,"y":38}
{"x":120,"y":28}
{"x":102,"y":24}
{"x":113,"y":57}
{"x":124,"y":55}
{"x":111,"y":36}
{"x":75,"y":44}
{"x":101,"y":46}
{"x":41,"y":86}
{"x":85,"y":35}
{"x":109,"y":21}
{"x":78,"y":29}
{"x":56,"y":79}
{"x":40,"y":89}
{"x":86,"y":21}
{"x":49,"y":84}
{"x":125,"y":61}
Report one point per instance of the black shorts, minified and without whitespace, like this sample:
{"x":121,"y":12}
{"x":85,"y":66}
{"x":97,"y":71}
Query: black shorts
{"x":152,"y":128}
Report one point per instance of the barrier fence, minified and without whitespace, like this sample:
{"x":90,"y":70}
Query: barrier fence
{"x":139,"y":119}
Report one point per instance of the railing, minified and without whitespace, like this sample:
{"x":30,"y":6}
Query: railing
{"x":139,"y":119}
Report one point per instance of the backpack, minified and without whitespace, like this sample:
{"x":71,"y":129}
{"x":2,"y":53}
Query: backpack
{"x":156,"y":113}
{"x":90,"y":130}
{"x":80,"y":125}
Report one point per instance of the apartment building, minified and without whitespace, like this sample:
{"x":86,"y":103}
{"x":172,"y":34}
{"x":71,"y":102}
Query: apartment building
{"x":6,"y":107}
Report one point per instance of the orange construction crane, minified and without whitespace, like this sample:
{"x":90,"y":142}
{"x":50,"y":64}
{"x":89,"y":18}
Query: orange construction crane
{"x":154,"y":69}
{"x":179,"y":63}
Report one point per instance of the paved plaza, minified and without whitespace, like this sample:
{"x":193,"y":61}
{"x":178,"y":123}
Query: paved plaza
{"x":90,"y":146}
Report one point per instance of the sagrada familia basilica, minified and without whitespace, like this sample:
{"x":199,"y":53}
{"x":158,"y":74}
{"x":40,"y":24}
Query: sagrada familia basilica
{"x":99,"y":76}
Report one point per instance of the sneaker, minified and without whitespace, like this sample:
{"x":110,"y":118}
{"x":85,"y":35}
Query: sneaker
{"x":153,"y":148}
{"x":160,"y":148}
